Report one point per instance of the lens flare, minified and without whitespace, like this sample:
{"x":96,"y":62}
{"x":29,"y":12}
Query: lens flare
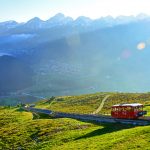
{"x":141,"y":46}
{"x":126,"y":54}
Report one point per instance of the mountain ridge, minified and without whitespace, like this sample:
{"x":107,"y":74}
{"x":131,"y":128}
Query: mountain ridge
{"x":61,"y":19}
{"x":75,"y":59}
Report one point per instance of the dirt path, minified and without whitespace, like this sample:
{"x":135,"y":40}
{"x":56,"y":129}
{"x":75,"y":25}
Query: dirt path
{"x":101,"y":105}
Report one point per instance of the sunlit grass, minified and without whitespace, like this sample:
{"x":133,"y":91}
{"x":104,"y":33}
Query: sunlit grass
{"x":20,"y":130}
{"x":89,"y":103}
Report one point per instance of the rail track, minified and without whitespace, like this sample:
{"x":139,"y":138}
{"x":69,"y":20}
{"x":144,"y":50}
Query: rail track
{"x":89,"y":117}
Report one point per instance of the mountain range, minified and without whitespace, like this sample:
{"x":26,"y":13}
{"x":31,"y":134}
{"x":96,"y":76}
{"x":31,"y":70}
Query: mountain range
{"x":63,"y":56}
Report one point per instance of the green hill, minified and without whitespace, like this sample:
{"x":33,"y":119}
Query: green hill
{"x":90,"y":102}
{"x":21,"y":130}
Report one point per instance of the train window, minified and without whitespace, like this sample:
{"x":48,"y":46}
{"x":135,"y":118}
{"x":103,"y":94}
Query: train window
{"x":118,"y":108}
{"x":137,"y":108}
{"x":140,"y":108}
{"x":121,"y":109}
{"x":114,"y":109}
{"x":128,"y":108}
{"x":124,"y":109}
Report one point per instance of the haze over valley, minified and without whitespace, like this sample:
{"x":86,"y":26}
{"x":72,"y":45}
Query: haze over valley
{"x":63,"y":56}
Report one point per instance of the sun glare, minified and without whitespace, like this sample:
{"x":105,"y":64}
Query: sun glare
{"x":141,"y":46}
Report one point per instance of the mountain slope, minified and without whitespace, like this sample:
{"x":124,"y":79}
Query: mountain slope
{"x":81,"y":56}
{"x":14,"y":74}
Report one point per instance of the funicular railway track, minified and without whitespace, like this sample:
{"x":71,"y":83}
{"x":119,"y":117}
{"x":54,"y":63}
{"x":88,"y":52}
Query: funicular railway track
{"x":88,"y":117}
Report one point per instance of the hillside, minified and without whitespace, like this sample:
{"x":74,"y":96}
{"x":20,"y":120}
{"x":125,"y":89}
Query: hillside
{"x":15,"y":73}
{"x":22,"y":130}
{"x":89,"y":103}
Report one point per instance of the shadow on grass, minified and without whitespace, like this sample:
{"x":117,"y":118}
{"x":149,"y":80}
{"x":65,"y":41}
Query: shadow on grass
{"x":20,"y":109}
{"x":107,"y":128}
{"x":41,"y":116}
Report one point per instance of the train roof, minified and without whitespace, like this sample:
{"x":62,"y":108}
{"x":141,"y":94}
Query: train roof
{"x":132,"y":105}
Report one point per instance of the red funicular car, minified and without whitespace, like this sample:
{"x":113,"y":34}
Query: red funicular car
{"x":127,"y":111}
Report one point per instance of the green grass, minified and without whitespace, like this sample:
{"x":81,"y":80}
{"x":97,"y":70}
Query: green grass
{"x":74,"y":104}
{"x":22,"y":130}
{"x":86,"y":104}
{"x":18,"y":129}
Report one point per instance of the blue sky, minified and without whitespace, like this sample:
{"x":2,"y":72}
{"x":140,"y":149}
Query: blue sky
{"x":23,"y":10}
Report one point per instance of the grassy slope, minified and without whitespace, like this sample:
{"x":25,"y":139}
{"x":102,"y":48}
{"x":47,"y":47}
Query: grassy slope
{"x":20,"y":130}
{"x":90,"y":102}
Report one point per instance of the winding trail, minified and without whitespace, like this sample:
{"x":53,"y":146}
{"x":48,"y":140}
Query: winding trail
{"x":101,"y":105}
